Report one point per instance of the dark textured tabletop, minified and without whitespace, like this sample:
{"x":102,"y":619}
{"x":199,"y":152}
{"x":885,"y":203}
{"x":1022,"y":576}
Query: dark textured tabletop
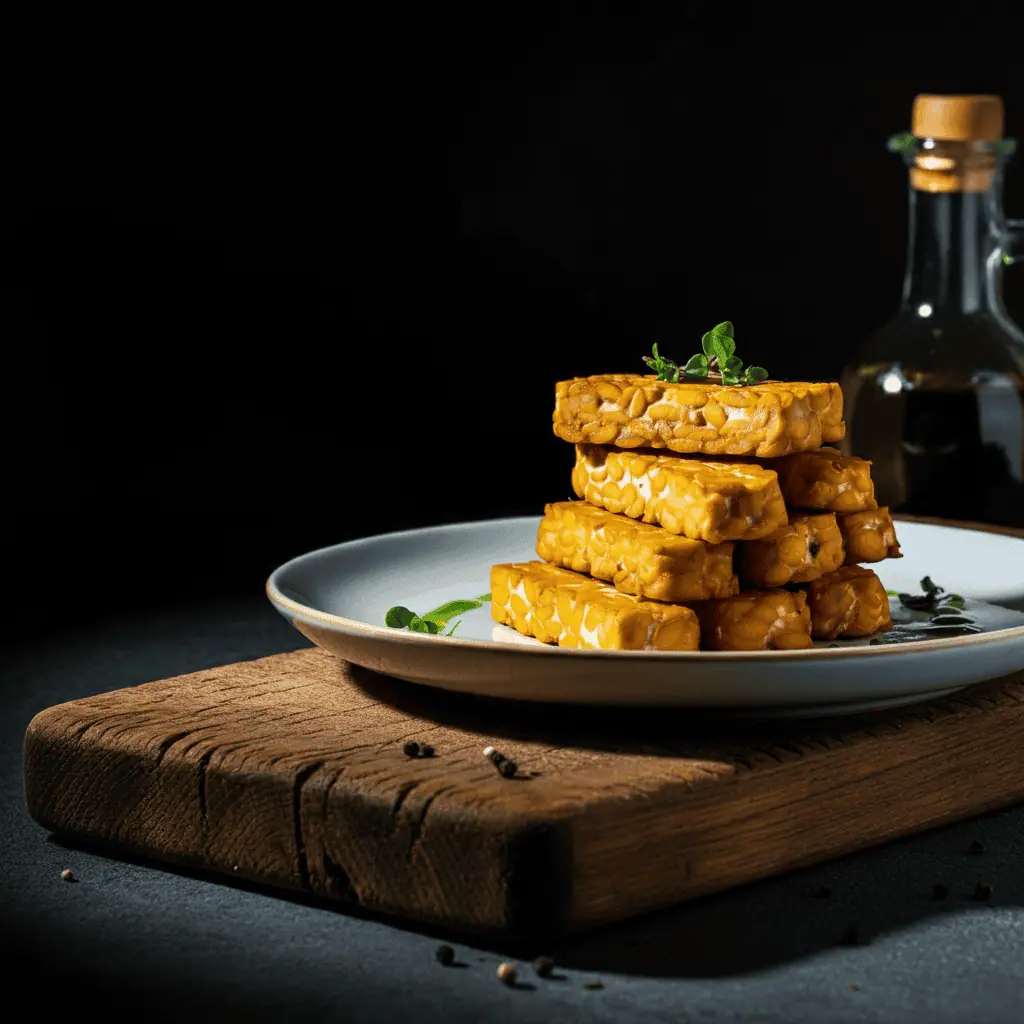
{"x":860,"y":939}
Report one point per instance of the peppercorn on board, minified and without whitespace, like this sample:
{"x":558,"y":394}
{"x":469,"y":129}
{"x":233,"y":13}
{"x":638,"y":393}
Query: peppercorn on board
{"x":768,"y":420}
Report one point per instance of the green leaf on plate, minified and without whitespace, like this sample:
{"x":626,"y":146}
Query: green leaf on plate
{"x":398,"y":617}
{"x":419,"y":625}
{"x":450,"y":609}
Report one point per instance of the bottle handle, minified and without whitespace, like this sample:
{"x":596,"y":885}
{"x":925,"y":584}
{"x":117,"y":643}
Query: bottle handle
{"x":1013,"y":249}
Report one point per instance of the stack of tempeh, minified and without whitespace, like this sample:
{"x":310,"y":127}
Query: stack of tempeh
{"x":712,"y":519}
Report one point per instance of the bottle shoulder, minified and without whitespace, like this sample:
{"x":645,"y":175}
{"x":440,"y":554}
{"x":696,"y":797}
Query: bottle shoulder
{"x":947,"y":346}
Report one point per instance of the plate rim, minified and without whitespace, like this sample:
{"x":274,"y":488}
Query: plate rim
{"x":370,"y":630}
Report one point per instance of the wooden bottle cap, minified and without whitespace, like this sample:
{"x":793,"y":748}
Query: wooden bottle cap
{"x":958,"y":118}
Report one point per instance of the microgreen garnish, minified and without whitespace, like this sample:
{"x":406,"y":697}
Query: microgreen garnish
{"x":664,"y":368}
{"x":434,"y":621}
{"x":717,"y":362}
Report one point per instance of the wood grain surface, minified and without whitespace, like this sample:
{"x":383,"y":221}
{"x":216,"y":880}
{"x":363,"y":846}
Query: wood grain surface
{"x":289,"y":771}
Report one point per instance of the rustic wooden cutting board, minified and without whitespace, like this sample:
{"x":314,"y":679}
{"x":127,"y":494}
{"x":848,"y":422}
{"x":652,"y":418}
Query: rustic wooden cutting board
{"x":290,"y":771}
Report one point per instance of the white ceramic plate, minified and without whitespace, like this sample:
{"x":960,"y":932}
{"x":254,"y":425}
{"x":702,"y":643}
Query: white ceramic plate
{"x":338,"y":596}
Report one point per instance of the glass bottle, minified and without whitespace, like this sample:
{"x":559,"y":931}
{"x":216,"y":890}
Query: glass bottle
{"x":935,"y":397}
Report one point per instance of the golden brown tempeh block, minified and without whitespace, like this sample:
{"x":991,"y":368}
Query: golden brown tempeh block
{"x":826,"y":479}
{"x":633,"y":410}
{"x":636,"y":558}
{"x":848,"y":602}
{"x":869,"y":536}
{"x":756,"y":620}
{"x":709,"y":501}
{"x":808,"y":547}
{"x":560,"y":606}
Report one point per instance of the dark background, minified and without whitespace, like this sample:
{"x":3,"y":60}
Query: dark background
{"x":276,"y":286}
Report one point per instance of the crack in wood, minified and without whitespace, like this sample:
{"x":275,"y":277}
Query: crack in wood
{"x":416,"y":831}
{"x":400,"y":797}
{"x":339,"y":884}
{"x":765,"y":752}
{"x":204,"y":763}
{"x":301,"y":779}
{"x":167,"y":742}
{"x":201,"y":771}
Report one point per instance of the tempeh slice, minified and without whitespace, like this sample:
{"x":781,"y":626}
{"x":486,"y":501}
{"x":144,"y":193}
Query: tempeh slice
{"x":709,"y":501}
{"x":558,"y":606}
{"x":756,"y":620}
{"x":766,"y":420}
{"x":807,"y":547}
{"x":869,"y":536}
{"x":826,"y":480}
{"x":848,"y":602}
{"x":634,"y":557}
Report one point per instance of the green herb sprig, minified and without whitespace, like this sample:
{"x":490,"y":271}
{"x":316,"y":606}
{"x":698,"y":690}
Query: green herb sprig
{"x":933,"y":599}
{"x":664,"y":368}
{"x":717,"y":362}
{"x":434,"y":621}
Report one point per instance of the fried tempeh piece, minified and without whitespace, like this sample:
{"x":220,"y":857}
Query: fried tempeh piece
{"x":756,"y":620}
{"x":848,"y":602}
{"x":559,"y":606}
{"x":636,"y":558}
{"x":808,"y":547}
{"x":766,"y":420}
{"x":869,"y":536}
{"x":826,"y":479}
{"x":709,"y":501}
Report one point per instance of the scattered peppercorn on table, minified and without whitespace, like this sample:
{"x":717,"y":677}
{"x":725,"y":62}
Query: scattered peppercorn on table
{"x":713,"y":516}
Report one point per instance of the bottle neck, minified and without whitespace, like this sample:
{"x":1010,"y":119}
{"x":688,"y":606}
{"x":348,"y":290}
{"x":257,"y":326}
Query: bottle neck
{"x":955,"y":249}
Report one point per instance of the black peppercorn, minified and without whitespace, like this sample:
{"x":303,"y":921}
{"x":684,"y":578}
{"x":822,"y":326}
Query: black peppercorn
{"x":977,"y":846}
{"x":498,"y":758}
{"x":445,"y":955}
{"x":507,"y":974}
{"x":543,"y":965}
{"x":508,"y":768}
{"x":983,"y":891}
{"x":411,"y":749}
{"x":813,"y":548}
{"x":940,"y":891}
{"x":426,"y":750}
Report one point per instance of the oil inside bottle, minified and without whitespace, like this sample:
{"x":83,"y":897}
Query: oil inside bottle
{"x":960,"y":453}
